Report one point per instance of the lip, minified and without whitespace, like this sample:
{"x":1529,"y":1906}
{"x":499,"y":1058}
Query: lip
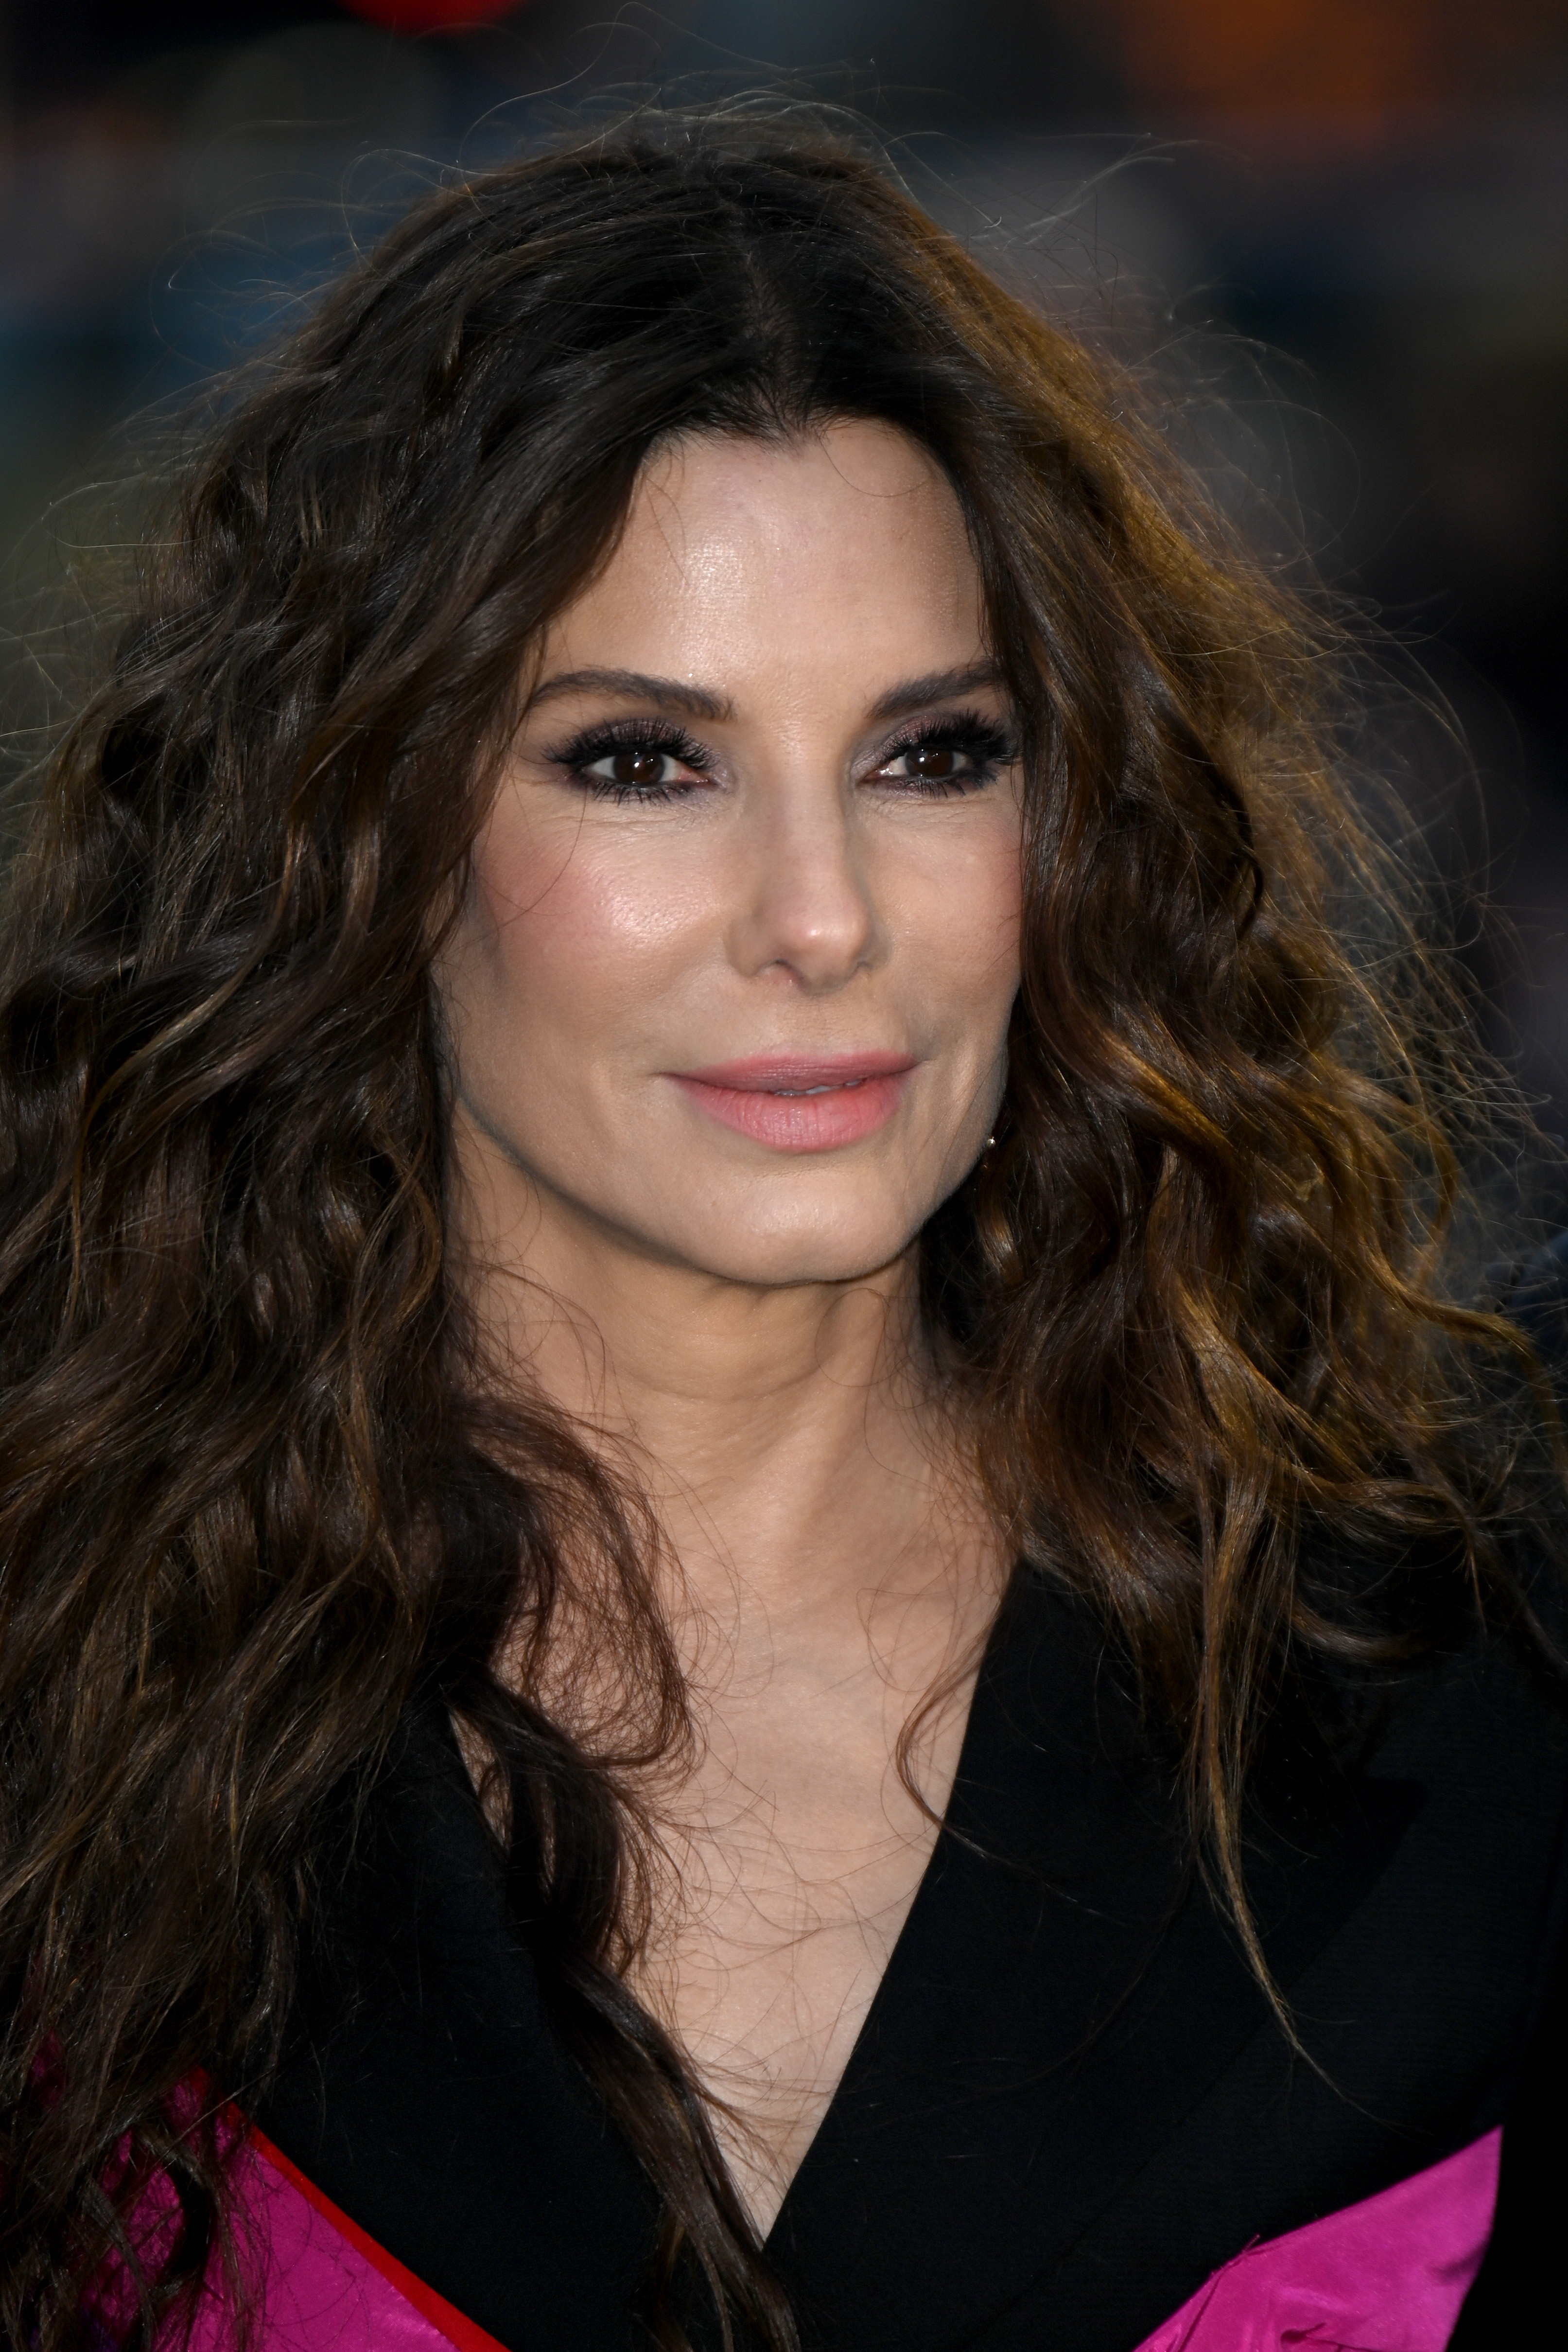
{"x":794,"y":1102}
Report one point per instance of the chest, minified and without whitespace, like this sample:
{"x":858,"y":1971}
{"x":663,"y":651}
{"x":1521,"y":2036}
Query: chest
{"x":792,"y":1862}
{"x":1069,"y":2104}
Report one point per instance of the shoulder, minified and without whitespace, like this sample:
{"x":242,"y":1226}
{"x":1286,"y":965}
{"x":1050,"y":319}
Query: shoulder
{"x":1413,"y":1909}
{"x":424,"y":2088}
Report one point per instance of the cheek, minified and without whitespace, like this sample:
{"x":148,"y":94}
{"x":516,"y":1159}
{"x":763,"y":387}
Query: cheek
{"x":970,"y":921}
{"x":565,"y":932}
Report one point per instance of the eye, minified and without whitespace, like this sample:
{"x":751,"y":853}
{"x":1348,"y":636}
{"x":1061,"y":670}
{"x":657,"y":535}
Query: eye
{"x":945,"y":756}
{"x":633,"y":760}
{"x":933,"y":763}
{"x":636,"y":770}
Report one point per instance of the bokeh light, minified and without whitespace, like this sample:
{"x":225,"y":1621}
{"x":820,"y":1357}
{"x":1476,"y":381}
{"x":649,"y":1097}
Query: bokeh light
{"x":1341,"y":226}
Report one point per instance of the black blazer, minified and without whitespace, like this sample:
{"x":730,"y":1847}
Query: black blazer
{"x":1069,"y":2103}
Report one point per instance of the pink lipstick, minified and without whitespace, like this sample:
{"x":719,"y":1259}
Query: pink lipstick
{"x":800,"y":1104}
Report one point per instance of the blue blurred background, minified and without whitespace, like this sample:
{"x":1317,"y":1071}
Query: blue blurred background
{"x":1339,"y":225}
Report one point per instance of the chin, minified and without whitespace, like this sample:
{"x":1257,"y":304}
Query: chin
{"x":772,"y":1255}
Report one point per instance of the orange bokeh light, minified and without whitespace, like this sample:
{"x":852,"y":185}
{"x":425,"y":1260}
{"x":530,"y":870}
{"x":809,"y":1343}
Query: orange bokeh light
{"x":1367,"y":59}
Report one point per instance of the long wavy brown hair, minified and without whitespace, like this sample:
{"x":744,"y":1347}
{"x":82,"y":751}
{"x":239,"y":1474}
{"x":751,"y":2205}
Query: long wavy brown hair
{"x":257,"y":1491}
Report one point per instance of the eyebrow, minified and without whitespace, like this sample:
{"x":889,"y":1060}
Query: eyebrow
{"x":938,"y":686}
{"x":635,"y":686}
{"x":699,"y":702}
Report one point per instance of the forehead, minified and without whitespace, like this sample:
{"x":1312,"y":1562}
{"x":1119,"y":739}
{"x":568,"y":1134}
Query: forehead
{"x":841,"y":551}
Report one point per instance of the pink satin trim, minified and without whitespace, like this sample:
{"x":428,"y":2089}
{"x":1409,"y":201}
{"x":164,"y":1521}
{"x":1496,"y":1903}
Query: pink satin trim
{"x":324,"y":2286}
{"x":1386,"y":2275}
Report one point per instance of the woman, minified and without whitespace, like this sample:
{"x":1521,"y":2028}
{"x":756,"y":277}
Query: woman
{"x":758,"y":1586}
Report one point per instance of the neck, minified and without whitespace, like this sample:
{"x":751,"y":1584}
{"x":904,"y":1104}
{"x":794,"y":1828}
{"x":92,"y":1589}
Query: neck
{"x":791,"y":1436}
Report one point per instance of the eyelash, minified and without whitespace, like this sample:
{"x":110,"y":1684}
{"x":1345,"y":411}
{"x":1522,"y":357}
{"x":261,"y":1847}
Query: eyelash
{"x":986,"y":742}
{"x":651,"y":735}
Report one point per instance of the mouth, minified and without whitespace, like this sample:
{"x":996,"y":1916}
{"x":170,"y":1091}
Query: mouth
{"x":795,"y":1103}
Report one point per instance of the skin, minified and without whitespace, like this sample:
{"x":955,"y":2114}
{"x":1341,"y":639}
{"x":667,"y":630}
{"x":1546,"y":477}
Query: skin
{"x":738,"y":1319}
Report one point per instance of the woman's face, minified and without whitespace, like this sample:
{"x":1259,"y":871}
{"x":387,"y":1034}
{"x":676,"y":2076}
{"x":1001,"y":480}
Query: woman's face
{"x":732,"y":983}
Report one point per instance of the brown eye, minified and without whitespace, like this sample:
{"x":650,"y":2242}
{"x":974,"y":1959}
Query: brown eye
{"x":637,"y":769}
{"x":950,"y":756}
{"x":936,"y":762}
{"x":646,"y":768}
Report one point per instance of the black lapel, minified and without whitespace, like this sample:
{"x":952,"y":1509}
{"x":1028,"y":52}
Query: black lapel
{"x":1061,"y":1998}
{"x":425,"y":2089}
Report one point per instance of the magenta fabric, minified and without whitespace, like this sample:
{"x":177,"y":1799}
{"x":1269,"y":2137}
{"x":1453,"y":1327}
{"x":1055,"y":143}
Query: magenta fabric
{"x":1386,"y":2275}
{"x":323,"y":2285}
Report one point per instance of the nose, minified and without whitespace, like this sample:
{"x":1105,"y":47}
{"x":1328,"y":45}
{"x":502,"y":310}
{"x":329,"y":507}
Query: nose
{"x":806,"y":909}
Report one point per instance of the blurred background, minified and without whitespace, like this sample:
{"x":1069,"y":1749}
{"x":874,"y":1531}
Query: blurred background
{"x":1339,"y":224}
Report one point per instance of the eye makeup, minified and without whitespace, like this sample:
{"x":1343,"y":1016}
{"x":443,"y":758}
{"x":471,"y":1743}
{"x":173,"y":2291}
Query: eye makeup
{"x":961,"y":751}
{"x":624,"y":760}
{"x":641,"y":758}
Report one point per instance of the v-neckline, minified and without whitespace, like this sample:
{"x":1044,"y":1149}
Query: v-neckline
{"x":1016,"y":2068}
{"x":1049,"y":2012}
{"x":911,"y":1926}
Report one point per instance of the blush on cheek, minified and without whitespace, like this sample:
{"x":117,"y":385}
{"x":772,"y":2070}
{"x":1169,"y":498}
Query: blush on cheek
{"x":525,"y":892}
{"x":569,"y":937}
{"x":970,"y":924}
